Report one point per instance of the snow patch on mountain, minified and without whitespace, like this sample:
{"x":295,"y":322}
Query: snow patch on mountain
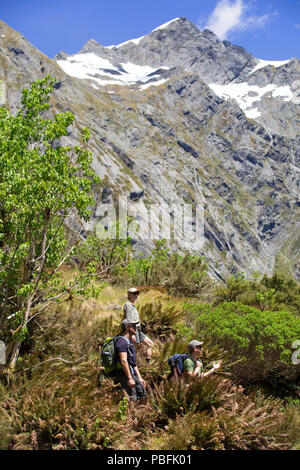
{"x":264,"y":63}
{"x":159,"y":82}
{"x":90,"y":66}
{"x":247,"y":95}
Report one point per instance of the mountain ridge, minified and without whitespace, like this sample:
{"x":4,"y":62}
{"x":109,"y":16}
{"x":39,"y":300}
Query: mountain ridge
{"x":218,"y":63}
{"x":167,"y":136}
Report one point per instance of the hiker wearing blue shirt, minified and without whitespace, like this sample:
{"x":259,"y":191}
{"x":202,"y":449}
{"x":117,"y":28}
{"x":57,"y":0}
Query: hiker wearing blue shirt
{"x":132,"y":314}
{"x":129,"y":376}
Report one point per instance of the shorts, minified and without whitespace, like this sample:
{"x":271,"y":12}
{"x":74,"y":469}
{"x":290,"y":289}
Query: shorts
{"x":135,"y":393}
{"x":140,"y":336}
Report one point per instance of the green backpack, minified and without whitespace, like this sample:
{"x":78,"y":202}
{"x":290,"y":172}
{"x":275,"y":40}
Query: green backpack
{"x":109,"y":357}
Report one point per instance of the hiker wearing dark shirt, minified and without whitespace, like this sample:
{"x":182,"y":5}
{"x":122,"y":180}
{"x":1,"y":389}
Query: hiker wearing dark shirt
{"x":129,"y":376}
{"x":193,"y":366}
{"x":132,"y":314}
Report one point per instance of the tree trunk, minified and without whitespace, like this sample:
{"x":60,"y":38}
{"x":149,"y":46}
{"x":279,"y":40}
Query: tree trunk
{"x":12,"y":353}
{"x":13,"y":348}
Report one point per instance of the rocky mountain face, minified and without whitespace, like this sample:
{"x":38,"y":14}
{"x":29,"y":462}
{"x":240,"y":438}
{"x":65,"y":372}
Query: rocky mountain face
{"x":180,"y":117}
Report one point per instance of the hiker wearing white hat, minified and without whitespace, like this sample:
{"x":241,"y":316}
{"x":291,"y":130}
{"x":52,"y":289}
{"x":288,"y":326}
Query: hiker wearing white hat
{"x":131,"y":313}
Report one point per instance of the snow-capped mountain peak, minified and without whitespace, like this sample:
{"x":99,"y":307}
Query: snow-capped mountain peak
{"x":136,"y":41}
{"x":230,"y":71}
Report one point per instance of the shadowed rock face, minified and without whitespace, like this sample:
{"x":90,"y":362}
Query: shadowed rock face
{"x":177,"y":140}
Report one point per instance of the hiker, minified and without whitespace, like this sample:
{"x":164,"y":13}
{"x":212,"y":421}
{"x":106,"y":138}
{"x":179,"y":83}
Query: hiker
{"x":131,"y":313}
{"x":129,"y":376}
{"x":192,"y":365}
{"x":189,"y":365}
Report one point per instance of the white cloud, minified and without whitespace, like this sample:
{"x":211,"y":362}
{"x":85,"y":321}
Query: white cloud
{"x":233,"y":15}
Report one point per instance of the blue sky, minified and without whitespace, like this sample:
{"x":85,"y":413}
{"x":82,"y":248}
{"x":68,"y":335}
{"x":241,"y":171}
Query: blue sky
{"x":270,"y":30}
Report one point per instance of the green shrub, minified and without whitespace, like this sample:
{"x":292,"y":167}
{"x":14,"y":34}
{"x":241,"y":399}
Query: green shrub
{"x":181,"y":275}
{"x":106,"y":255}
{"x":270,"y":293}
{"x":259,"y":342}
{"x":286,"y":292}
{"x":234,"y":288}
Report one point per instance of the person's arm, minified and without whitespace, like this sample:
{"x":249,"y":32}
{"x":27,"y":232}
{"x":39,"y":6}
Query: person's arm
{"x":126,"y":368}
{"x":125,"y":310}
{"x":139,"y":376}
{"x":212,"y":370}
{"x":196,"y":372}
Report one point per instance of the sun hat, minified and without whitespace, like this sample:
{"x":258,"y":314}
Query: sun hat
{"x":194,"y":344}
{"x":133,"y":290}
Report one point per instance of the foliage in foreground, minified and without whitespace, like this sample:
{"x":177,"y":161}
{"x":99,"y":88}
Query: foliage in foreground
{"x":215,"y":414}
{"x":57,"y":404}
{"x":60,"y":407}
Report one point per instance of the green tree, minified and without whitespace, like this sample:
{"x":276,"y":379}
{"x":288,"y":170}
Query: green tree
{"x":105,"y":252}
{"x":42,"y":183}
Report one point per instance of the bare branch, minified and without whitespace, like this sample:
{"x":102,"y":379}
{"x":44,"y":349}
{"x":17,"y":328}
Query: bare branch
{"x":51,"y":360}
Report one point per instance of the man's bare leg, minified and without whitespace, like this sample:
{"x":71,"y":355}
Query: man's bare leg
{"x":150,"y":345}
